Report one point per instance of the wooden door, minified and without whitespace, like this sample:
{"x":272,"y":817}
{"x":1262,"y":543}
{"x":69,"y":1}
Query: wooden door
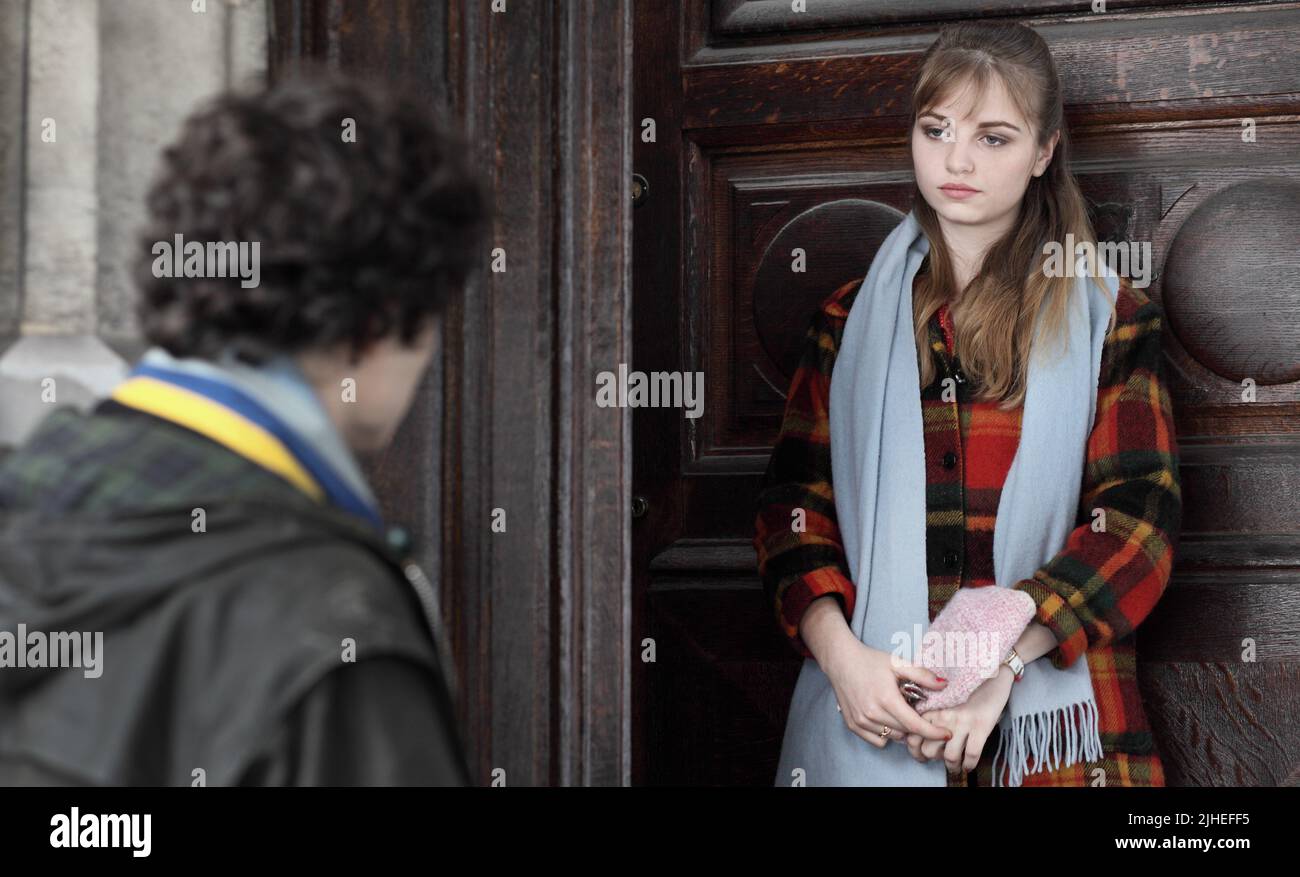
{"x":776,"y":129}
{"x":506,"y":428}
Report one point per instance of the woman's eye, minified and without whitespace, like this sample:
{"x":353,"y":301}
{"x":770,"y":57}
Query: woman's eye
{"x":937,"y":134}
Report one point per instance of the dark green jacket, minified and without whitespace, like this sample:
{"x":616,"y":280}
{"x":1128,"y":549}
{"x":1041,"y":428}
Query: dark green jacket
{"x":225,"y":649}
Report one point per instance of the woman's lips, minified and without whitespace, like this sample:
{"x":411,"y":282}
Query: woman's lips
{"x":957,"y":192}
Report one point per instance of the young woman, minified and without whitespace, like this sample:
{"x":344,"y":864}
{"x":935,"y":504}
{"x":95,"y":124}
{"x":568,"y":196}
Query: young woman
{"x":993,"y":193}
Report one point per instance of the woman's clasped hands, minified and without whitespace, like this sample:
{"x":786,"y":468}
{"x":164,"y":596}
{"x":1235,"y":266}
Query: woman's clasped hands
{"x":971,"y":724}
{"x":866,"y":684}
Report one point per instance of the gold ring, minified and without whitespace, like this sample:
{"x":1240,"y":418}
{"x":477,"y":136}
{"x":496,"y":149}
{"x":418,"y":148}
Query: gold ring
{"x":884,"y":732}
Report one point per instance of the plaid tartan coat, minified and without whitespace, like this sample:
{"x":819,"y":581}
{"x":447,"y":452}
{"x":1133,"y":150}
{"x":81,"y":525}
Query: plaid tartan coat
{"x":1092,"y":595}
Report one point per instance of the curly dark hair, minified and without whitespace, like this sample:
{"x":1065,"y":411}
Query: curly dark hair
{"x":357,"y":239}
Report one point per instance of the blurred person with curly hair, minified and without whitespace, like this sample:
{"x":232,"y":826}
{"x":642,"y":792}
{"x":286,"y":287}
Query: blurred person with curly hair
{"x":255,"y":620}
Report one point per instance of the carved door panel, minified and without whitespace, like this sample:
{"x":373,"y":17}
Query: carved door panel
{"x":776,"y":131}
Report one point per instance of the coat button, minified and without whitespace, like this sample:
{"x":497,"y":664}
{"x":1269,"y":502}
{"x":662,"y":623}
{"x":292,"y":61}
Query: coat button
{"x":949,"y":460}
{"x":399,"y":539}
{"x":956,"y":370}
{"x":950,"y":559}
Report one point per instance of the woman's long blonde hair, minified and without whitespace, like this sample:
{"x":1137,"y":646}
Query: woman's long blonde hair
{"x":994,"y":322}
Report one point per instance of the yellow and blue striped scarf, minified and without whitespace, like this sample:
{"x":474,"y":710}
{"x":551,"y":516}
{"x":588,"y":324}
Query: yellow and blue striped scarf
{"x":234,"y":419}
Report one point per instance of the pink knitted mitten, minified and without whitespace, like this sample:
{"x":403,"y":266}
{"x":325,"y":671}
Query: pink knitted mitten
{"x":969,"y":638}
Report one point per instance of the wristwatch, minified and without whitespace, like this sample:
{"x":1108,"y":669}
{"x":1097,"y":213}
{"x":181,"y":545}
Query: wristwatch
{"x":1017,"y":666}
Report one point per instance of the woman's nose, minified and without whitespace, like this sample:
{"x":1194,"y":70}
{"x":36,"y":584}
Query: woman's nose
{"x":957,"y":159}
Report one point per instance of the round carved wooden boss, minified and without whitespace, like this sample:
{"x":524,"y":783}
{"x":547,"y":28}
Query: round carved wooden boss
{"x":839,"y":239}
{"x":1232,"y":282}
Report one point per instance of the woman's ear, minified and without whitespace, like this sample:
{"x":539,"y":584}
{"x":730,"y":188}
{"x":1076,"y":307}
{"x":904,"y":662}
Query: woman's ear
{"x":1045,"y":154}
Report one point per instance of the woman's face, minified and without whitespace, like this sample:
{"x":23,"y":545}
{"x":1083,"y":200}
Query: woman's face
{"x":987,"y":147}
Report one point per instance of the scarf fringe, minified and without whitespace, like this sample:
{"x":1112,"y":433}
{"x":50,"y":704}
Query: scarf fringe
{"x":1039,"y":736}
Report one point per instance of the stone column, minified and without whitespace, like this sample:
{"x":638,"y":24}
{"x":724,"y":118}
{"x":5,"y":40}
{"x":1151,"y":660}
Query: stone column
{"x":90,"y":91}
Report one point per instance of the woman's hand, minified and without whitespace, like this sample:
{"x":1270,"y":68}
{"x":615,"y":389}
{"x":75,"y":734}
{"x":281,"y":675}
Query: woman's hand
{"x":866,"y":682}
{"x":971,"y":724}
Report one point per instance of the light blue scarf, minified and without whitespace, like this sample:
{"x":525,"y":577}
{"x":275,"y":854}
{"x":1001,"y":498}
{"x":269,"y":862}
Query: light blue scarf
{"x":878,"y":472}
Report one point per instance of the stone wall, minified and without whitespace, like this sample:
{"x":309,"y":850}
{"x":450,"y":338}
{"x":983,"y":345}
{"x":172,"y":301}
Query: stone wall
{"x":90,"y":90}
